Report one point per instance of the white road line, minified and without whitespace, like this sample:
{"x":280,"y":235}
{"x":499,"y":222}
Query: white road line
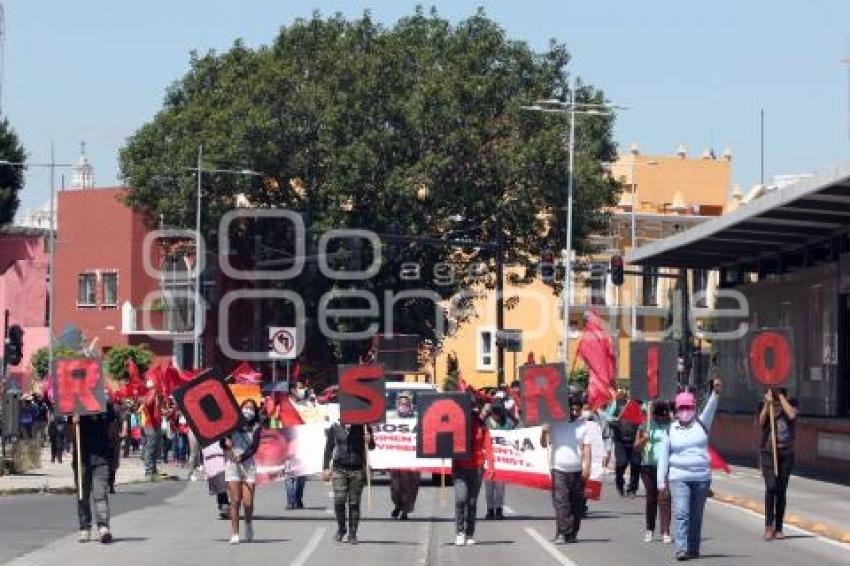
{"x":821,"y":538}
{"x":310,"y":547}
{"x":549,"y":548}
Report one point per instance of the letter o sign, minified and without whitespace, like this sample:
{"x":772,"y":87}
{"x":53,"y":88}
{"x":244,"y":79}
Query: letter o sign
{"x":770,"y":358}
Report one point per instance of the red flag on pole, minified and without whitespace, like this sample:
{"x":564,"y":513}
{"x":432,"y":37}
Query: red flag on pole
{"x":632,"y":413}
{"x":717,"y":461}
{"x":597,"y":352}
{"x":246,"y":374}
{"x":287,"y":414}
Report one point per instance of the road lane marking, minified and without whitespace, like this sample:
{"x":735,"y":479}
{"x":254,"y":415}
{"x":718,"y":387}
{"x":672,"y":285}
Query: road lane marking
{"x":310,"y":547}
{"x":549,"y":547}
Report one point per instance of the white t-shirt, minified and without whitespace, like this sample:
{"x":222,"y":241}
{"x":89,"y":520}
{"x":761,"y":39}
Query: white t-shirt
{"x":567,"y":441}
{"x":597,"y":449}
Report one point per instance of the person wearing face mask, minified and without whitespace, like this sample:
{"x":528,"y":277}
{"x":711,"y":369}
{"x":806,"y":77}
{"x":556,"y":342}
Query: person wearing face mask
{"x":683,"y":458}
{"x":404,"y":484}
{"x":466,"y":477}
{"x":775,"y":485}
{"x":571,"y":463}
{"x":650,"y":436}
{"x":240,"y":471}
{"x":494,"y":491}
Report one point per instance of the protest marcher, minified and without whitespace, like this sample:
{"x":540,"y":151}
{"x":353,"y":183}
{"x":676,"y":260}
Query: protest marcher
{"x":344,"y":463}
{"x":56,"y":433}
{"x":115,"y":461}
{"x":684,"y":460}
{"x":240,"y":471}
{"x":404,"y":484}
{"x":498,"y":418}
{"x":213,"y":466}
{"x":152,"y":409}
{"x":467,"y":475}
{"x":649,"y":439}
{"x":97,"y":436}
{"x":776,"y":485}
{"x":624,"y":433}
{"x":571,"y":462}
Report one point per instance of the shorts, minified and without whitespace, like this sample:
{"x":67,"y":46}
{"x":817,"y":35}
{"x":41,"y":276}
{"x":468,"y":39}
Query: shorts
{"x":245,"y":472}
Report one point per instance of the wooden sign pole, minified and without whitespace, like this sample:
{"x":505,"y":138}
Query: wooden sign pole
{"x":368,"y":472}
{"x":79,"y":439}
{"x":773,"y":439}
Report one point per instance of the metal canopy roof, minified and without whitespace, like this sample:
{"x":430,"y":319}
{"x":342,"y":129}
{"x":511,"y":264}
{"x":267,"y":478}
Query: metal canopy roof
{"x":783,"y":220}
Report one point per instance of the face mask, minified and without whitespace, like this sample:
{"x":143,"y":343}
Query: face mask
{"x":249,"y":414}
{"x":301,"y":393}
{"x":685,"y":416}
{"x":182,"y":420}
{"x":585,"y":414}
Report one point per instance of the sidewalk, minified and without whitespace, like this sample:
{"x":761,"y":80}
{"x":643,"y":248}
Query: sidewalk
{"x":59,"y":478}
{"x":817,"y":506}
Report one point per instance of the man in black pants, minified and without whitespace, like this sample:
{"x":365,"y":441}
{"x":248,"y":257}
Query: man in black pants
{"x":776,"y":485}
{"x":98,"y":433}
{"x":625,"y":456}
{"x":346,"y":445}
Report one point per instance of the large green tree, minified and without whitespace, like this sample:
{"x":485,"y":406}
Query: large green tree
{"x":11,"y":177}
{"x":415,"y":129}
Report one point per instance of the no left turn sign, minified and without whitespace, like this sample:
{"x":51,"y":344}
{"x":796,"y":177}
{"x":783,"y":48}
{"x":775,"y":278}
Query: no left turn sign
{"x":282,"y":343}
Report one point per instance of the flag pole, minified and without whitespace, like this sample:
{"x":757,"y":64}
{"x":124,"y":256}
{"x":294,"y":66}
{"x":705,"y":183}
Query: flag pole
{"x":773,"y":439}
{"x":368,"y":473}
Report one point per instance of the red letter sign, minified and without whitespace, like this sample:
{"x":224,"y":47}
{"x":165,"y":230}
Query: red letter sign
{"x":362,"y":395}
{"x":445,"y":428}
{"x":653,"y":367}
{"x":79,"y":388}
{"x":770,"y":356}
{"x":545,"y":397}
{"x":209,"y":407}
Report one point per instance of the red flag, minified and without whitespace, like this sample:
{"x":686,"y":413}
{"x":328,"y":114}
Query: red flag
{"x":287,"y":414}
{"x":190,"y":374}
{"x":246,"y":374}
{"x":717,"y":461}
{"x":155,"y":374}
{"x":632,"y":413}
{"x":597,"y":352}
{"x":171,"y":380}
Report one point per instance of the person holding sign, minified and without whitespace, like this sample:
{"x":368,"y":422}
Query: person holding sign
{"x":240,"y":471}
{"x":345,"y":450}
{"x":684,"y":459}
{"x":97,"y":434}
{"x":571,"y":462}
{"x":404,"y":484}
{"x":778,"y":436}
{"x":651,"y":434}
{"x":467,"y":474}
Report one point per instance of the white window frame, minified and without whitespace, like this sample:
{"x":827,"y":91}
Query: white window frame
{"x":103,"y":274}
{"x":92,"y":304}
{"x":479,"y":348}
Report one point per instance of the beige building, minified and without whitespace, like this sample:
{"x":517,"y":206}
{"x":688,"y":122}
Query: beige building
{"x":673,"y":192}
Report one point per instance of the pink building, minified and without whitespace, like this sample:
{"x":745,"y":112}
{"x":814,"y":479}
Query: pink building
{"x":23,"y":289}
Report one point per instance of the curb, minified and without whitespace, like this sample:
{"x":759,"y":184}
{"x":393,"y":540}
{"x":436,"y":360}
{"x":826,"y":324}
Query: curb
{"x":70,"y":490}
{"x":793,"y":519}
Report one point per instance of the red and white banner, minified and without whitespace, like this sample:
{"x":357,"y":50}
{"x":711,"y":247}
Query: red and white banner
{"x":395,"y":449}
{"x":292,"y":452}
{"x":518,"y":458}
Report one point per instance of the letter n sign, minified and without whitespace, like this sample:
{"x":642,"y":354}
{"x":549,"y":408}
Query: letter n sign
{"x":209,"y":407}
{"x":770,"y":356}
{"x":445,"y":425}
{"x":545,"y":395}
{"x":362,"y":394}
{"x":79,"y":388}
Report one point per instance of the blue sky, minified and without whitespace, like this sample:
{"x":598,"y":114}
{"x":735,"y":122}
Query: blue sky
{"x":695,"y":73}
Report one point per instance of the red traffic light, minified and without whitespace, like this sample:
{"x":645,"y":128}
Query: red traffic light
{"x":617,"y":269}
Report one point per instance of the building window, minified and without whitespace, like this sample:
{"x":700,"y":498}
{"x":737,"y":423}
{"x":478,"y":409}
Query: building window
{"x":486,"y":359}
{"x":650,"y":286}
{"x":87,"y":290}
{"x":700,"y":287}
{"x":110,"y":289}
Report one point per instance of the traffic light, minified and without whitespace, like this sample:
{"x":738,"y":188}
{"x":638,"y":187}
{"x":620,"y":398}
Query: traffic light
{"x":14,"y":348}
{"x":547,"y":266}
{"x":617,"y":270}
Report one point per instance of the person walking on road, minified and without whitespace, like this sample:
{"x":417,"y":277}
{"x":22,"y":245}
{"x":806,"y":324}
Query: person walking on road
{"x":404,"y":484}
{"x":97,"y":437}
{"x":626,"y":456}
{"x":344,"y":464}
{"x":466,"y":477}
{"x":240,"y":471}
{"x":494,"y":491}
{"x":56,"y":432}
{"x":152,"y":409}
{"x":650,"y":436}
{"x":776,"y":485}
{"x":571,"y":462}
{"x":684,"y":459}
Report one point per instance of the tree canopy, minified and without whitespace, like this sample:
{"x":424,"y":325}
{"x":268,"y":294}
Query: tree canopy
{"x":11,"y":177}
{"x":414,"y":130}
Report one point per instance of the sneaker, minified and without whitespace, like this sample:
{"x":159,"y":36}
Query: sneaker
{"x":499,"y":513}
{"x":647,"y":536}
{"x":84,"y":536}
{"x":491,"y":514}
{"x":249,"y":532}
{"x":681,"y":556}
{"x":396,"y":512}
{"x":460,"y":539}
{"x":105,"y":535}
{"x":470,"y":541}
{"x":403,"y":516}
{"x":352,"y":538}
{"x":234,"y":539}
{"x":340,"y":535}
{"x":667,"y":539}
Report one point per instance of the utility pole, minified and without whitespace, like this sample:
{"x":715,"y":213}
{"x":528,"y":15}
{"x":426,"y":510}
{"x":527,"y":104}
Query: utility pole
{"x":198,"y":259}
{"x":500,"y":303}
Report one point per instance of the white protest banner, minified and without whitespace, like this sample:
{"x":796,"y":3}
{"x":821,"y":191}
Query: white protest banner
{"x":395,"y":448}
{"x":296,"y":451}
{"x":518,"y":458}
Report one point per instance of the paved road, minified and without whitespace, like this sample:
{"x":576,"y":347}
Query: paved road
{"x":178,"y":527}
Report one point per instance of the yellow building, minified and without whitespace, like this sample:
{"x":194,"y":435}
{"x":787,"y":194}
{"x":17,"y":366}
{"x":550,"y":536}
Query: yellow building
{"x":673,"y":193}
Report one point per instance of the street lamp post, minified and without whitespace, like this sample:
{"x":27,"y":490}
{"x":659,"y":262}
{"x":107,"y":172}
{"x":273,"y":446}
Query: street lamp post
{"x":51,"y":283}
{"x":570,"y":109}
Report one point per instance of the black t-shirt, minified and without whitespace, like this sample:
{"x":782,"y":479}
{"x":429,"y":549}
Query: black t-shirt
{"x":95,"y":432}
{"x":786,"y":429}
